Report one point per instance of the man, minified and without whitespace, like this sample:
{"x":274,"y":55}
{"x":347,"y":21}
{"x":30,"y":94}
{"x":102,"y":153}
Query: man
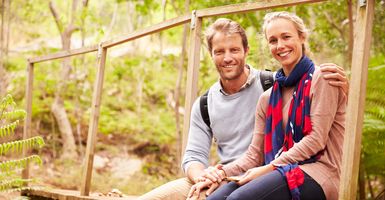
{"x":231,"y":107}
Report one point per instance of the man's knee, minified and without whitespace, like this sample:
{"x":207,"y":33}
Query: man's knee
{"x":173,"y":190}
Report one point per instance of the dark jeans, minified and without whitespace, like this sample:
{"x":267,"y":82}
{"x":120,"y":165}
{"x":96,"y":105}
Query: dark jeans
{"x":271,"y":186}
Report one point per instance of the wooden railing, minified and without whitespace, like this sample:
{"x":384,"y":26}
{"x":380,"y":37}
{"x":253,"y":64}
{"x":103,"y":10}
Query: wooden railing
{"x":356,"y":94}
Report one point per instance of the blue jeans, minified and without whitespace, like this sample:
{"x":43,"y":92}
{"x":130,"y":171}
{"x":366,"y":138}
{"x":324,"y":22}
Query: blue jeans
{"x":271,"y":186}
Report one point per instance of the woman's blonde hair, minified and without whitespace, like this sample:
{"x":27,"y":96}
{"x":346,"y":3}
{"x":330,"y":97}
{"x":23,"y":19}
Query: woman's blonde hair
{"x":297,"y":21}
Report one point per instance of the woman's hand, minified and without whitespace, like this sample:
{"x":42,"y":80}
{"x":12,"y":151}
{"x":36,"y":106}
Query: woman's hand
{"x":337,"y":77}
{"x":255,"y":173}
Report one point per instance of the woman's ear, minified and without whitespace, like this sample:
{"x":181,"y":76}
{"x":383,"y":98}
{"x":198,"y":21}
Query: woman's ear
{"x":302,"y":37}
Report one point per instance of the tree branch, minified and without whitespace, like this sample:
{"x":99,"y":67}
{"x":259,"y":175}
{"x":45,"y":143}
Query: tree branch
{"x":178,"y":11}
{"x":73,"y":11}
{"x":340,"y":30}
{"x":55,"y":15}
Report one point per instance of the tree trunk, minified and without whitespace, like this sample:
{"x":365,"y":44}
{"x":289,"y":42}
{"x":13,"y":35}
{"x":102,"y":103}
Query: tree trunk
{"x":2,"y":30}
{"x":3,"y":72}
{"x":8,"y":27}
{"x":58,"y":110}
{"x":67,"y":137}
{"x":351,"y":31}
{"x":370,"y":187}
{"x":178,"y":89}
{"x":164,"y":2}
{"x":361,"y":181}
{"x":113,"y":20}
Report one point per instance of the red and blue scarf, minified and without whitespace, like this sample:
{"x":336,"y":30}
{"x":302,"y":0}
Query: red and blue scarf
{"x":298,"y":126}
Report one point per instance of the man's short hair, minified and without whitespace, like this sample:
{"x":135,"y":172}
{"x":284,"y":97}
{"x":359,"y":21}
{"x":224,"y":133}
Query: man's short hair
{"x":226,"y":26}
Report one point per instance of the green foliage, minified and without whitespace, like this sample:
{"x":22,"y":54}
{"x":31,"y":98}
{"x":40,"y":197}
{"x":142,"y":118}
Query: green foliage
{"x":9,"y":120}
{"x":373,"y":143}
{"x":18,"y":145}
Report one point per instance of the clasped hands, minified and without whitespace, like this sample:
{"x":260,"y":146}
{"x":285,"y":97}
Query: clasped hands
{"x":214,"y":177}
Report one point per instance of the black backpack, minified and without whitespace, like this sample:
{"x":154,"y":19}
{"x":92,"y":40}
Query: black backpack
{"x":267,"y":81}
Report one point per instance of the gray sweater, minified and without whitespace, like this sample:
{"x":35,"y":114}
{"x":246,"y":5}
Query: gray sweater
{"x":232,"y":120}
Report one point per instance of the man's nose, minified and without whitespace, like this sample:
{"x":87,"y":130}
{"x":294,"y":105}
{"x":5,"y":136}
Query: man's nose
{"x":228,"y":58}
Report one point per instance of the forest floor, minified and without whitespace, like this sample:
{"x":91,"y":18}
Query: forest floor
{"x":132,"y":169}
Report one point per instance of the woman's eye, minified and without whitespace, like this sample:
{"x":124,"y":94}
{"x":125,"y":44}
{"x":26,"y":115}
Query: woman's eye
{"x":272,"y":41}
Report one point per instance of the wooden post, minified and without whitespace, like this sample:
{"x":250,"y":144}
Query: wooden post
{"x":192,"y":73}
{"x":356,"y":103}
{"x":94,"y":119}
{"x":28,"y":120}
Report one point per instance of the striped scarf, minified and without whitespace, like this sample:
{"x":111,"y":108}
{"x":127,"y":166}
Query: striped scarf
{"x":299,"y":125}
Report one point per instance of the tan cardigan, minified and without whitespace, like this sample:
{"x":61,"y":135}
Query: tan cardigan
{"x":327,"y":114}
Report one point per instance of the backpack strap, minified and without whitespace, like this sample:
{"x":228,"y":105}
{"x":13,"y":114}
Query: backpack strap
{"x":267,"y":79}
{"x":204,"y":108}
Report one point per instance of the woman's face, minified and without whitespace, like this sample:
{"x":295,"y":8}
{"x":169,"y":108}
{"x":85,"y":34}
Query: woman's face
{"x":285,"y":43}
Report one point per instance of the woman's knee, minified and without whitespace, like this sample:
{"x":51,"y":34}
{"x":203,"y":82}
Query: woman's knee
{"x":236,"y":196}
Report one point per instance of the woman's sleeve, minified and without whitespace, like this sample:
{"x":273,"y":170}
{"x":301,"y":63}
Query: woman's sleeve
{"x":324,"y":105}
{"x":254,"y":155}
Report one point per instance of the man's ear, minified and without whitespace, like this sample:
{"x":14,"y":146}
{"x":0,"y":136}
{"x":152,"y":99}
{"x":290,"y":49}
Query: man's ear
{"x":247,"y":50}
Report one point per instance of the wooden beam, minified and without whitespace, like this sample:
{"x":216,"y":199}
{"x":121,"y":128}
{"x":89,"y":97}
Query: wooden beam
{"x":356,"y":103}
{"x":46,"y":193}
{"x":251,"y":6}
{"x":192,"y":74}
{"x":94,"y":119}
{"x":147,"y":31}
{"x":28,"y":120}
{"x":64,"y":54}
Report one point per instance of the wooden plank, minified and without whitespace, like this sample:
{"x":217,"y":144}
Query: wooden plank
{"x":64,"y":54}
{"x":192,"y":75}
{"x":147,"y":31}
{"x":94,"y":119}
{"x":71,"y":194}
{"x":28,"y":120}
{"x":356,"y":104}
{"x":250,"y":6}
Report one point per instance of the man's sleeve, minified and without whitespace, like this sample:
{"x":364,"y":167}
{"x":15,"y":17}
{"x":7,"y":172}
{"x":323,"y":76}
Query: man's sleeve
{"x":199,"y":140}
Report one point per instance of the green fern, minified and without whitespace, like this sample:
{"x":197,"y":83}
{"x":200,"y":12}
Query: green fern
{"x":13,"y":184}
{"x":17,"y":146}
{"x":11,"y":165}
{"x":373,"y":143}
{"x":10,"y":119}
{"x":6,"y":102}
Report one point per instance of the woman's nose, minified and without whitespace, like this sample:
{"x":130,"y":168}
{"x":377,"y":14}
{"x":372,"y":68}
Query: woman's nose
{"x":280,"y":44}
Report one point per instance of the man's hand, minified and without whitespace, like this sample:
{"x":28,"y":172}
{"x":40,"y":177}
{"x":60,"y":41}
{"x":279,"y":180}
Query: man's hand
{"x":255,"y":173}
{"x":215,"y":174}
{"x":337,"y":77}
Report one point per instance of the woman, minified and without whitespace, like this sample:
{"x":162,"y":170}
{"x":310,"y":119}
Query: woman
{"x":299,"y":127}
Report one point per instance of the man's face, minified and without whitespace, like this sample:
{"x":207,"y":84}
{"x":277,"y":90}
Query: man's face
{"x":228,"y":55}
